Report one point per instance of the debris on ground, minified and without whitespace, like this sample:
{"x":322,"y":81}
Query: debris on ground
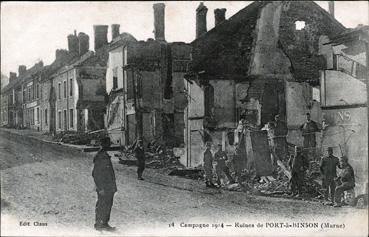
{"x":80,"y":138}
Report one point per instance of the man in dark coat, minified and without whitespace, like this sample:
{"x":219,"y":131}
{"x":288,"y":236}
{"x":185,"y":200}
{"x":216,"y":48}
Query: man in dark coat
{"x":140,"y":156}
{"x":280,"y":131}
{"x":220,"y":158}
{"x":237,"y":162}
{"x":308,"y":129}
{"x":298,"y":165}
{"x":104,"y":177}
{"x":208,"y":166}
{"x":344,"y":182}
{"x":328,"y":169}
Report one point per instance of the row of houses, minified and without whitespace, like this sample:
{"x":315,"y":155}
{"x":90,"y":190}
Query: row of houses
{"x":277,"y":57}
{"x":67,"y":95}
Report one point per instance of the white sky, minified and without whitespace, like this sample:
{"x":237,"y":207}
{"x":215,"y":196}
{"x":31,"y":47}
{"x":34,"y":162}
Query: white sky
{"x":31,"y":31}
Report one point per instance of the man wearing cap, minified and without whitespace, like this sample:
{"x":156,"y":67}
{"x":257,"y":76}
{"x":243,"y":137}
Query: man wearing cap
{"x":104,"y":177}
{"x":140,"y":156}
{"x":308,"y":129}
{"x":328,"y":169}
{"x":298,"y":165}
{"x":345,"y":181}
{"x":208,"y":166}
{"x":221,"y":167}
{"x":280,"y":131}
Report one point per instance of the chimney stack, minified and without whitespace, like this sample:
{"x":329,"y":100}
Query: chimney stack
{"x":100,"y":35}
{"x":159,"y":21}
{"x":331,"y":8}
{"x":12,"y":76}
{"x":201,"y":12}
{"x":73,"y":43}
{"x":219,"y":15}
{"x":114,"y":31}
{"x":84,"y":43}
{"x":22,"y":70}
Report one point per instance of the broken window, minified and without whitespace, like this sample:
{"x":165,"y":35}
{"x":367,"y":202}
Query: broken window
{"x":45,"y":116}
{"x":71,"y":118}
{"x":71,"y":87}
{"x":59,"y":119}
{"x":115,"y":78}
{"x":59,"y":90}
{"x":65,"y":89}
{"x":299,"y":25}
{"x":209,"y":100}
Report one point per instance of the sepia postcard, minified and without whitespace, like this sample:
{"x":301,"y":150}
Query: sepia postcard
{"x":184,"y":118}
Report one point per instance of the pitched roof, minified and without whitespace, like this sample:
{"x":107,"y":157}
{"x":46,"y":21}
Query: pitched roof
{"x":226,"y":50}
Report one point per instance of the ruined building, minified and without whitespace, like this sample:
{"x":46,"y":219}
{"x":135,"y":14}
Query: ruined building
{"x":77,"y":90}
{"x":144,"y":81}
{"x":344,"y":99}
{"x":262,"y":61}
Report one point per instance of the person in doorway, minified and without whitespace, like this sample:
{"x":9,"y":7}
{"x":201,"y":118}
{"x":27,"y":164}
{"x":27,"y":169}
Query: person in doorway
{"x":280,"y":131}
{"x":140,"y":156}
{"x":237,"y":162}
{"x":104,"y":178}
{"x":208,"y":166}
{"x":344,"y":182}
{"x":221,"y":167}
{"x":308,"y":129}
{"x":328,"y":169}
{"x":298,"y":165}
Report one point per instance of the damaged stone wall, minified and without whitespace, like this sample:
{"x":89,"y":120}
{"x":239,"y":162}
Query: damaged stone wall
{"x":301,"y":45}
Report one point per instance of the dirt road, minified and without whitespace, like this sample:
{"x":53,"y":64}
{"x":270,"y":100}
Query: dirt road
{"x":50,"y":186}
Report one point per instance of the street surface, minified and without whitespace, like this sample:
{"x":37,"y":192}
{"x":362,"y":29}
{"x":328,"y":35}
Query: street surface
{"x":50,"y":186}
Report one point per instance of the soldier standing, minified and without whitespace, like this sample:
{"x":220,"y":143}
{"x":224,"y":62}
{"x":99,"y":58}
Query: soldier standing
{"x":345,"y":181}
{"x":328,"y":170}
{"x":298,"y":165}
{"x":280,"y":131}
{"x":104,"y":177}
{"x":208,"y":166}
{"x":140,"y":156}
{"x":309,"y":128}
{"x":221,"y":166}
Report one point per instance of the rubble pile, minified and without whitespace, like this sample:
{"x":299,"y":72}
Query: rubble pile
{"x":79,"y":138}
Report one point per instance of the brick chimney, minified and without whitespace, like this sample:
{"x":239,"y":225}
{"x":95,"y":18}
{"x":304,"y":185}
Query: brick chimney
{"x":159,"y":21}
{"x":84,"y":43}
{"x":100,"y":35}
{"x":73,"y":43}
{"x":219,"y":15}
{"x":22,"y":70}
{"x":12,"y":76}
{"x":201,"y":12}
{"x":114,"y":31}
{"x":331,"y":8}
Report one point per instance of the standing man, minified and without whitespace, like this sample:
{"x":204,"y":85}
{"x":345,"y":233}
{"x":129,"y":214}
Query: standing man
{"x":298,"y":165}
{"x":237,"y":162}
{"x":140,"y":156}
{"x":328,"y":170}
{"x":104,"y":177}
{"x":280,"y":131}
{"x":345,"y":181}
{"x":208,"y":166}
{"x":221,"y":167}
{"x":308,"y":129}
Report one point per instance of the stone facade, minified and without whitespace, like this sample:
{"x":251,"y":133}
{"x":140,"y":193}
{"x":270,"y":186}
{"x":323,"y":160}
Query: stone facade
{"x":252,"y":57}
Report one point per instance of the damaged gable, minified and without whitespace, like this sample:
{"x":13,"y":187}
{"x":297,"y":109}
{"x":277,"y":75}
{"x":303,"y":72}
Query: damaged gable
{"x":226,"y":49}
{"x":301,"y":25}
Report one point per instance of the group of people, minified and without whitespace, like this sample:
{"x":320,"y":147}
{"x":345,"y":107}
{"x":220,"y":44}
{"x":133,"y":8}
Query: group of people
{"x":221,"y":168}
{"x":334,"y":186}
{"x":298,"y":163}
